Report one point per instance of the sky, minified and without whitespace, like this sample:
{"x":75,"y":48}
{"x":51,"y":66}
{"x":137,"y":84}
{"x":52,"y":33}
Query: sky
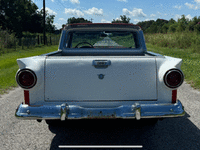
{"x":104,"y":11}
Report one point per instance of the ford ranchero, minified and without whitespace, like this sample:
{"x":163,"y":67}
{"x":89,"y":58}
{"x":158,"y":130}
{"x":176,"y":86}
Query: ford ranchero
{"x":100,"y":70}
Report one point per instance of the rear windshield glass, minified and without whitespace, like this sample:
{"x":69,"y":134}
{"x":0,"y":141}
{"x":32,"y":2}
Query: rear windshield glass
{"x":102,"y":39}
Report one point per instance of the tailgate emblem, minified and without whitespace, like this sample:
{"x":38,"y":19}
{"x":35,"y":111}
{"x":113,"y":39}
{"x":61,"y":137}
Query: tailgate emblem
{"x":101,"y":76}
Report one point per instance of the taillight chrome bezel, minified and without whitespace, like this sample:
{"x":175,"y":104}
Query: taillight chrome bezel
{"x":170,"y":71}
{"x":29,"y":71}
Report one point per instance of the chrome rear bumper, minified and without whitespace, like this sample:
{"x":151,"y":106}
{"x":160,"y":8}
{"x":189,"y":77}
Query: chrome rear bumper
{"x":65,"y":111}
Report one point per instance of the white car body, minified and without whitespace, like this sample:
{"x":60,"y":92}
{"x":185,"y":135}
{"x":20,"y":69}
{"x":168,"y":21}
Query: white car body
{"x":74,"y":85}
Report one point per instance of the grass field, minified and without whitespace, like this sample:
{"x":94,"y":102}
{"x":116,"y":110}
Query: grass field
{"x":190,"y":65}
{"x":189,"y":41}
{"x":9,"y":67}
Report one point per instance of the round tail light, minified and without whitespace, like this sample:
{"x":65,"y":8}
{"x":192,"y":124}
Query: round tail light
{"x":173,"y":78}
{"x":26,"y":78}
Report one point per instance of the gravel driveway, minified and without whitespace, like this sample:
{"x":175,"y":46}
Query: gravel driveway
{"x":171,"y":133}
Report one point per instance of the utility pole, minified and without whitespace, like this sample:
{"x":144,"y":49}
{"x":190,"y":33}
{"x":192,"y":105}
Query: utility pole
{"x":44,"y":36}
{"x":91,"y":19}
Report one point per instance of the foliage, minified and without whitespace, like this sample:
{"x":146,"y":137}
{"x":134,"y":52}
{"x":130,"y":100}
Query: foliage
{"x":172,"y":28}
{"x":77,"y":20}
{"x":145,"y":24}
{"x":164,"y":26}
{"x":197,"y":28}
{"x":22,"y":15}
{"x":123,"y":19}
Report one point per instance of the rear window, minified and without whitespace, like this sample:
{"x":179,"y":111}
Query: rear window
{"x":102,"y":39}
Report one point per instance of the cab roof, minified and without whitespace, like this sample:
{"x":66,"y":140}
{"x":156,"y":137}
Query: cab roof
{"x":105,"y":25}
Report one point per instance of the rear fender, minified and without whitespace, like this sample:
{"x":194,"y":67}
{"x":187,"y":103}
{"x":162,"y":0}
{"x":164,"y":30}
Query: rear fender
{"x":36,"y":64}
{"x":163,"y":65}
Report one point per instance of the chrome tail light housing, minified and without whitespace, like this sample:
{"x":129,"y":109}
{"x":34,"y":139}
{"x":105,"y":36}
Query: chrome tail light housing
{"x":173,"y":78}
{"x":26,"y":78}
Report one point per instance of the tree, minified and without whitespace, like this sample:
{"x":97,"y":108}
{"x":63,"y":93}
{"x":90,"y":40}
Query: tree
{"x":183,"y":20}
{"x":145,"y":25}
{"x":192,"y":23}
{"x":36,"y":25}
{"x":123,"y":19}
{"x":160,"y":23}
{"x":16,"y":15}
{"x":172,"y":28}
{"x":165,"y":28}
{"x":171,"y":21}
{"x":181,"y":27}
{"x":37,"y":22}
{"x":154,"y":26}
{"x":63,"y":25}
{"x":182,"y":24}
{"x":77,"y":20}
{"x":22,"y":15}
{"x":197,"y":28}
{"x":190,"y":26}
{"x":49,"y":23}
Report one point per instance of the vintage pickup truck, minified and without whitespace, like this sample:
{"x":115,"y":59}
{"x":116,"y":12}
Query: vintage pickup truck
{"x":100,"y":70}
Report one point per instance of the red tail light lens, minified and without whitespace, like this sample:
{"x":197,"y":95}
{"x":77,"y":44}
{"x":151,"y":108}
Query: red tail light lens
{"x":26,"y":78}
{"x":173,"y":78}
{"x":26,"y":97}
{"x":174,"y":96}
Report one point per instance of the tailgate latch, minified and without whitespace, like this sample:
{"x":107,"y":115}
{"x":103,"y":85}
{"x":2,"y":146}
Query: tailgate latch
{"x":101,"y":64}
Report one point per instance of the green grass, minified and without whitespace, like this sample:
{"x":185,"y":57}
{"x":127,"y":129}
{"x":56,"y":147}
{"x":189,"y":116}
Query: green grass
{"x":9,"y":67}
{"x":190,"y":65}
{"x":183,"y":40}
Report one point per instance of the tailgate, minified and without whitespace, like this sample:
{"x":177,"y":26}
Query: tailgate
{"x":76,"y":78}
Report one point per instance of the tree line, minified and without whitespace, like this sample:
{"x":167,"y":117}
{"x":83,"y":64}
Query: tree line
{"x":164,"y":26}
{"x":158,"y":26}
{"x":18,"y":16}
